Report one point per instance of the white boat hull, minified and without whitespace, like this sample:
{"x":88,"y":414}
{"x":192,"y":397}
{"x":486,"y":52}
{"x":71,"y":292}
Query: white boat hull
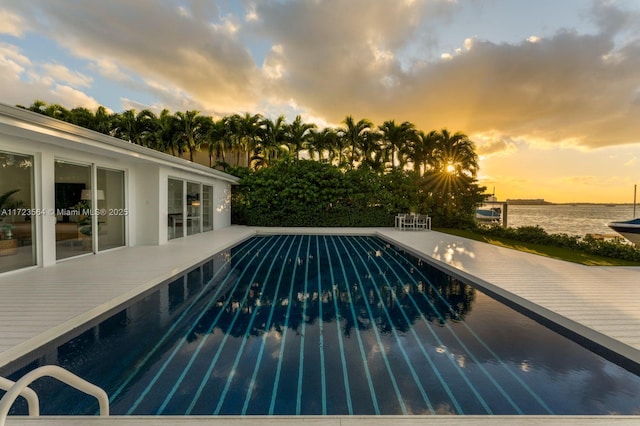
{"x":629,"y":229}
{"x":487,"y":215}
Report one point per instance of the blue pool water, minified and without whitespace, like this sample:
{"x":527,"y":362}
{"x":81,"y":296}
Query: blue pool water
{"x":308,"y":325}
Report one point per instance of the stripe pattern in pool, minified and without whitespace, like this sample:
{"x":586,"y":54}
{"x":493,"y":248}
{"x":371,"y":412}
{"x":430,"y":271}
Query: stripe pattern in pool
{"x":336,"y":325}
{"x":325,"y":325}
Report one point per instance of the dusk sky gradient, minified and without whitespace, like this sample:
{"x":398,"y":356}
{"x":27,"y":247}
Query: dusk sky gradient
{"x":549,"y":90}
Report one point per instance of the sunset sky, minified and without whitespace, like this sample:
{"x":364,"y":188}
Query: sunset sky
{"x":549,"y":90}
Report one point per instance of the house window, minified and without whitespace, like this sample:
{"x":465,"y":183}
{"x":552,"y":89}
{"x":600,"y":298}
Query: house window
{"x":111,"y":205}
{"x":74,"y":226}
{"x":88,"y":220}
{"x":189,"y":207}
{"x":207,"y":208}
{"x":194,"y":208}
{"x":17,"y":226}
{"x":175,"y":208}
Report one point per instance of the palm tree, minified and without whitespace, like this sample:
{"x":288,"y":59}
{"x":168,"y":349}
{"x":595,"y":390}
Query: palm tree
{"x":82,"y":117}
{"x":353,"y":135}
{"x":167,"y":137}
{"x":37,"y":106}
{"x":219,"y":141}
{"x":298,"y":135}
{"x":455,"y":154}
{"x":138,"y":128}
{"x":126,"y":126}
{"x":193,"y":129}
{"x":420,"y":152}
{"x":57,"y":111}
{"x":147,"y":128}
{"x":321,"y":142}
{"x":102,"y":120}
{"x":246,"y":131}
{"x":398,"y":138}
{"x":273,"y":140}
{"x":372,"y":151}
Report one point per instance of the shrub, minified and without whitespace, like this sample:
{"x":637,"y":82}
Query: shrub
{"x":587,"y":244}
{"x":310,"y":193}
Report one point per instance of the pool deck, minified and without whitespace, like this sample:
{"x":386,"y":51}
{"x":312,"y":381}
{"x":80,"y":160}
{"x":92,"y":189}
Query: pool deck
{"x":43,"y":305}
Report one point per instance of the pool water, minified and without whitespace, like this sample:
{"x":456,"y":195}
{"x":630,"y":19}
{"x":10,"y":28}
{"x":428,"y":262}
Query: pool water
{"x":330,"y":325}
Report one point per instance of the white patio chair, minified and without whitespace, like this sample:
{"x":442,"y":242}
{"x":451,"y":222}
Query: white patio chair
{"x":423,"y":222}
{"x":398,"y":220}
{"x":408,"y":222}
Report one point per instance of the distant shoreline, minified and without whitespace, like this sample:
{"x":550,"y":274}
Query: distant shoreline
{"x":528,"y":202}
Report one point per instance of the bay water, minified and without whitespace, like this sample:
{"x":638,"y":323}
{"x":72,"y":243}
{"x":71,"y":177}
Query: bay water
{"x":572,"y":219}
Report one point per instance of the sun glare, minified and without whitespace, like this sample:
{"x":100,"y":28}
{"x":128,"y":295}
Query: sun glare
{"x":450,"y":168}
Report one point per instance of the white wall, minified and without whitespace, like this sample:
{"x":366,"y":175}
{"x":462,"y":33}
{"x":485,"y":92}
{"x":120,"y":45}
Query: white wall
{"x":221,"y":197}
{"x":146,"y":203}
{"x":222,"y":205}
{"x":146,"y":176}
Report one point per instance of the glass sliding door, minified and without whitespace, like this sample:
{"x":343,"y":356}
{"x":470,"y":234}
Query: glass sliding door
{"x":194,"y":208}
{"x":17,"y":226}
{"x":175,"y":209}
{"x":110,"y":198}
{"x":74,"y":226}
{"x":207,"y":208}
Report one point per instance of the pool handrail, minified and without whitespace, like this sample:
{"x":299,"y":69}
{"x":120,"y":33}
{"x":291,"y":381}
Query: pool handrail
{"x":27,"y":393}
{"x":56,"y":372}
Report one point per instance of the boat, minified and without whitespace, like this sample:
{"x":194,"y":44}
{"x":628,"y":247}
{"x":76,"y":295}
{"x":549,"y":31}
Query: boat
{"x":492,"y":214}
{"x":629,"y":229}
{"x":487,"y":212}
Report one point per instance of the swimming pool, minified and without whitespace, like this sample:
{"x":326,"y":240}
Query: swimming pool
{"x":300,"y":325}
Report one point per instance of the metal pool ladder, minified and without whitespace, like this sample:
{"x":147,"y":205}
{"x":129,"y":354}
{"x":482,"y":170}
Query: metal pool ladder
{"x":15,"y":389}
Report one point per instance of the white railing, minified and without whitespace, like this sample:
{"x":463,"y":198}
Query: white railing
{"x":28,"y":394}
{"x":19,"y":387}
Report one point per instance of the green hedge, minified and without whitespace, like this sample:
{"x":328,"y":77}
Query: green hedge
{"x":587,"y":244}
{"x":310,"y":193}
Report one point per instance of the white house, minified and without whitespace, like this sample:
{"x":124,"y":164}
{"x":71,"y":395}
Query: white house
{"x":67,"y":191}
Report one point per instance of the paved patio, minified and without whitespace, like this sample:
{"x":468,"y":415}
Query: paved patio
{"x":39,"y":305}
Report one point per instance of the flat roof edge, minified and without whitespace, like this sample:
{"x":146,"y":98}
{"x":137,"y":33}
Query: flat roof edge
{"x":111,"y":143}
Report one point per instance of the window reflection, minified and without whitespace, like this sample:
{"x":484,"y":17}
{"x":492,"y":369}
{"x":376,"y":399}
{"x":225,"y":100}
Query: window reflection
{"x":17,"y":226}
{"x":175,"y":209}
{"x":207,"y":208}
{"x":73,"y":209}
{"x":194,"y":208}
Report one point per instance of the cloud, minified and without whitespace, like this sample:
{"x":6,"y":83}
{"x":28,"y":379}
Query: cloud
{"x":12,"y":61}
{"x":364,"y":58}
{"x":73,"y":97}
{"x":21,"y":79}
{"x":109,"y":69}
{"x":561,"y":89}
{"x":182,"y":46}
{"x":344,"y":58}
{"x":12,"y":24}
{"x":492,"y":144}
{"x":61,"y":73}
